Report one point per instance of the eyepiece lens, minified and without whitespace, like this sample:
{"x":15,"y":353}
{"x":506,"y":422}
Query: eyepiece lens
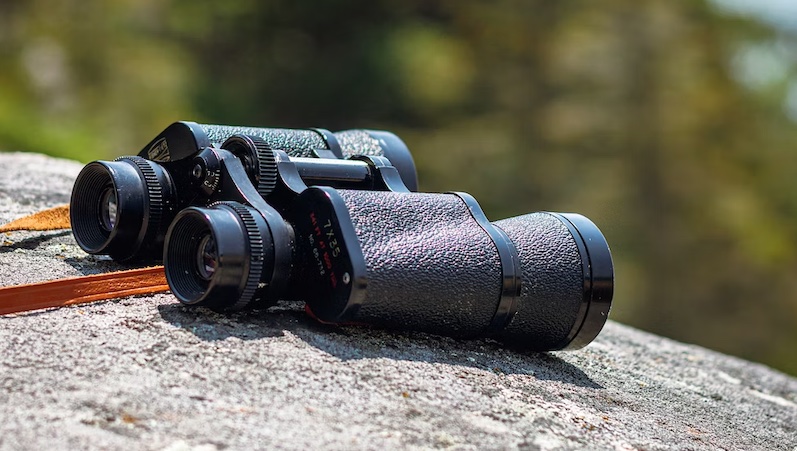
{"x":108,"y":208}
{"x":215,"y":255}
{"x":207,"y":257}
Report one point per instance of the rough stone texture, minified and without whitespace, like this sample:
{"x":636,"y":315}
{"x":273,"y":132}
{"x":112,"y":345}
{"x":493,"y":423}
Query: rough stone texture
{"x":147,"y":373}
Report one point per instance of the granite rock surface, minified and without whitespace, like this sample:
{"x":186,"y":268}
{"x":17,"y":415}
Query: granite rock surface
{"x":148,"y":373}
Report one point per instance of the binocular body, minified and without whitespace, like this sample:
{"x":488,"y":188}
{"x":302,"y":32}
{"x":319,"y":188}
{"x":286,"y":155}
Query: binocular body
{"x":247,"y":224}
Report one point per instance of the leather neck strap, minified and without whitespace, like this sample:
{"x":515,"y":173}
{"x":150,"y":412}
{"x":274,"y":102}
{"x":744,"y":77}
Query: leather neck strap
{"x":51,"y":219}
{"x":74,"y":290}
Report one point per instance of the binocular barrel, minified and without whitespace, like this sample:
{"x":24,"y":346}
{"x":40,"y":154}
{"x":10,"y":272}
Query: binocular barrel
{"x":427,"y":262}
{"x":122,"y":208}
{"x":183,"y":139}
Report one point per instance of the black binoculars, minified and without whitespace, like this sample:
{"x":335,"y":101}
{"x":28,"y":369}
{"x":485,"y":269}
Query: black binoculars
{"x":245,"y":217}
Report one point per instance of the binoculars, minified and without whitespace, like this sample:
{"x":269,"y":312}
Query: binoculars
{"x":244,"y":217}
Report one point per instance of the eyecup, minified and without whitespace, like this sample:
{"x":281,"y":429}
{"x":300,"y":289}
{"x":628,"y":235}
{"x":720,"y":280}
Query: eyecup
{"x":245,"y":255}
{"x":122,"y":241}
{"x":144,"y":194}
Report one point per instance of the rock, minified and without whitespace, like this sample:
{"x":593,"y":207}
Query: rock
{"x":148,"y":373}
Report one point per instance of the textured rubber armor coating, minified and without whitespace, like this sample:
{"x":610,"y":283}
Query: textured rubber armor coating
{"x":553,"y":282}
{"x":358,"y":142}
{"x":430,"y":266}
{"x":299,"y":142}
{"x":296,"y":142}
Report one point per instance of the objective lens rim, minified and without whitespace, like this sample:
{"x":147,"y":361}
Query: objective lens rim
{"x":598,"y":280}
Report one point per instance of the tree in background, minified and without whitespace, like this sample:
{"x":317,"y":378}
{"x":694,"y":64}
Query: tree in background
{"x":662,"y":121}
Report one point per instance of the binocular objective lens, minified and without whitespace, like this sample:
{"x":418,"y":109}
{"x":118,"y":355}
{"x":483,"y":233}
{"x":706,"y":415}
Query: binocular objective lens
{"x":207,"y":258}
{"x":108,"y":208}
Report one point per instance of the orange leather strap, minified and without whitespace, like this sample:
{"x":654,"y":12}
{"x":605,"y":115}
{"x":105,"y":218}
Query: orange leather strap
{"x":78,"y":290}
{"x":75,"y":290}
{"x":51,"y":219}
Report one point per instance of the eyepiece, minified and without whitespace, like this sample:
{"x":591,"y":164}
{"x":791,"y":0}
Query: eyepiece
{"x":108,"y":208}
{"x":118,"y":207}
{"x":207,"y":257}
{"x":90,"y":209}
{"x":180,"y":259}
{"x":217,"y":256}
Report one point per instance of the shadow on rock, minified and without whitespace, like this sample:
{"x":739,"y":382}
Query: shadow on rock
{"x":33,"y":242}
{"x":350,"y":343}
{"x":208,"y":325}
{"x":86,"y":264}
{"x":94,"y":265}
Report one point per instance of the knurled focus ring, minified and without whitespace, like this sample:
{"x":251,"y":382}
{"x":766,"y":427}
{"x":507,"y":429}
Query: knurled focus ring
{"x":266,"y":166}
{"x":154,"y":192}
{"x":256,"y":247}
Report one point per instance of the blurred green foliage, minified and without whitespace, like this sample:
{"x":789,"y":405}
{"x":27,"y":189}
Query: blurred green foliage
{"x":666,"y":122}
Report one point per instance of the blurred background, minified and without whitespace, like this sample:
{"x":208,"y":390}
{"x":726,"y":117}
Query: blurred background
{"x":671,"y":123}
